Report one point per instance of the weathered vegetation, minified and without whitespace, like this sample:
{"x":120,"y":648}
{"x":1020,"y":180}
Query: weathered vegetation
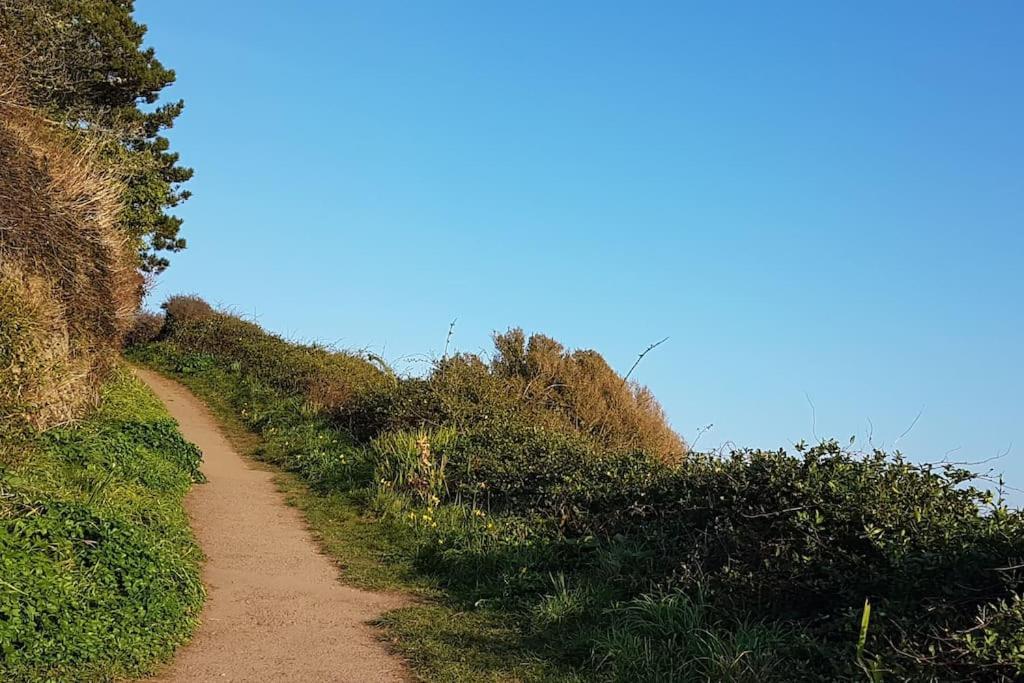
{"x":69,"y":286}
{"x":98,"y":570}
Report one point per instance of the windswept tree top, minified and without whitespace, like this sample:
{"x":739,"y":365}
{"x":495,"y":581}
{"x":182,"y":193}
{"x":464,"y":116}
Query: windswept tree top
{"x":83,"y":62}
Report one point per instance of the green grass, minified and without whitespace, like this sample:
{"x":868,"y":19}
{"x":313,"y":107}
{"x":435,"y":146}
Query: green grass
{"x":443,"y":643}
{"x":100,"y":572}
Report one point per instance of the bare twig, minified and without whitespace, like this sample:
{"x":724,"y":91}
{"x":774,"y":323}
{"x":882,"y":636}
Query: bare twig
{"x":641,"y":357}
{"x":701,"y":432}
{"x":776,"y":512}
{"x":448,"y":339}
{"x":814,"y":417}
{"x":908,"y":429}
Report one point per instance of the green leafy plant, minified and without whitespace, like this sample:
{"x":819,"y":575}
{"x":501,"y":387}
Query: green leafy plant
{"x":99,"y":572}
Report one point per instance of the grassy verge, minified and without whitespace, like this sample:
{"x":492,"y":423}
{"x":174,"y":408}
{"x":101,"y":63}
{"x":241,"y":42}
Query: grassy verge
{"x":444,"y":635}
{"x":100,"y":572}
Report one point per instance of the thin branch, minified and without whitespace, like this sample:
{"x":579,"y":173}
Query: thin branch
{"x":775,"y":513}
{"x":701,"y":432}
{"x":448,"y":339}
{"x":908,"y":429}
{"x":814,"y":417}
{"x":641,"y":357}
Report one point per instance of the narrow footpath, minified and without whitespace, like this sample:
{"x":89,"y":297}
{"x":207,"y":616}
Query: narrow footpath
{"x":275,"y":609}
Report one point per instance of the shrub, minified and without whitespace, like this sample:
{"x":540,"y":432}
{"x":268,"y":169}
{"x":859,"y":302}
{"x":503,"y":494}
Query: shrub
{"x":756,"y":564}
{"x":536,"y":383}
{"x":327,"y":380}
{"x":587,"y":393}
{"x":147,"y":328}
{"x":185,"y":309}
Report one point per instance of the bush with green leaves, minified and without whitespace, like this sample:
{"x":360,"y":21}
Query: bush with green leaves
{"x":100,"y":572}
{"x":620,"y":566}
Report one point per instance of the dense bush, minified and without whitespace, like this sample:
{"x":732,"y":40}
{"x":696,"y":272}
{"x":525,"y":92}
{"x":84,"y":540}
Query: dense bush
{"x":184,"y":310}
{"x":327,"y":380}
{"x":756,"y":565}
{"x":583,"y":389}
{"x":146,"y":328}
{"x":536,"y":384}
{"x":100,"y":570}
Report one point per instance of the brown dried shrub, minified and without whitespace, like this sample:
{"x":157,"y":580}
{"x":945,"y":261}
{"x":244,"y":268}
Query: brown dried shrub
{"x":586,"y":392}
{"x":185,"y":309}
{"x":534,"y":383}
{"x":147,"y":328}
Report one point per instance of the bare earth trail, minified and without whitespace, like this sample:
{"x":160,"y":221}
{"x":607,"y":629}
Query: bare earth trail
{"x":275,"y":610}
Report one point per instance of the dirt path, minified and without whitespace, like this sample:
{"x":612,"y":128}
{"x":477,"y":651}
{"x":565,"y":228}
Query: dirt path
{"x":275,"y":609}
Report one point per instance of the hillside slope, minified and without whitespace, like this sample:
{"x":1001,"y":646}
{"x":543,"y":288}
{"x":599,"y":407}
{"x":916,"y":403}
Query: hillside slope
{"x":558,"y":556}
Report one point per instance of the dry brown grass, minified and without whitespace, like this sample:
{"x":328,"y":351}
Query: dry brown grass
{"x":69,"y":279}
{"x":44,"y":383}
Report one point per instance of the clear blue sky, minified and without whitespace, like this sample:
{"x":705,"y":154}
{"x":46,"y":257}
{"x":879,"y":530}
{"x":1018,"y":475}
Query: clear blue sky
{"x":812,"y":199}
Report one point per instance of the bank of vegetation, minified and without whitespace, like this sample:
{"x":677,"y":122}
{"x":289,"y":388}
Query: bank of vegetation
{"x":567,"y":534}
{"x":98,"y":571}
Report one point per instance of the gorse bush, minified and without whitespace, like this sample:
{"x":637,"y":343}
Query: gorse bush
{"x":100,"y":570}
{"x":622,"y":564}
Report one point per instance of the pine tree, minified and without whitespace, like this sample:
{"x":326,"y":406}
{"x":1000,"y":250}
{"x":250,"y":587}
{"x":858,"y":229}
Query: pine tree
{"x":84,"y":63}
